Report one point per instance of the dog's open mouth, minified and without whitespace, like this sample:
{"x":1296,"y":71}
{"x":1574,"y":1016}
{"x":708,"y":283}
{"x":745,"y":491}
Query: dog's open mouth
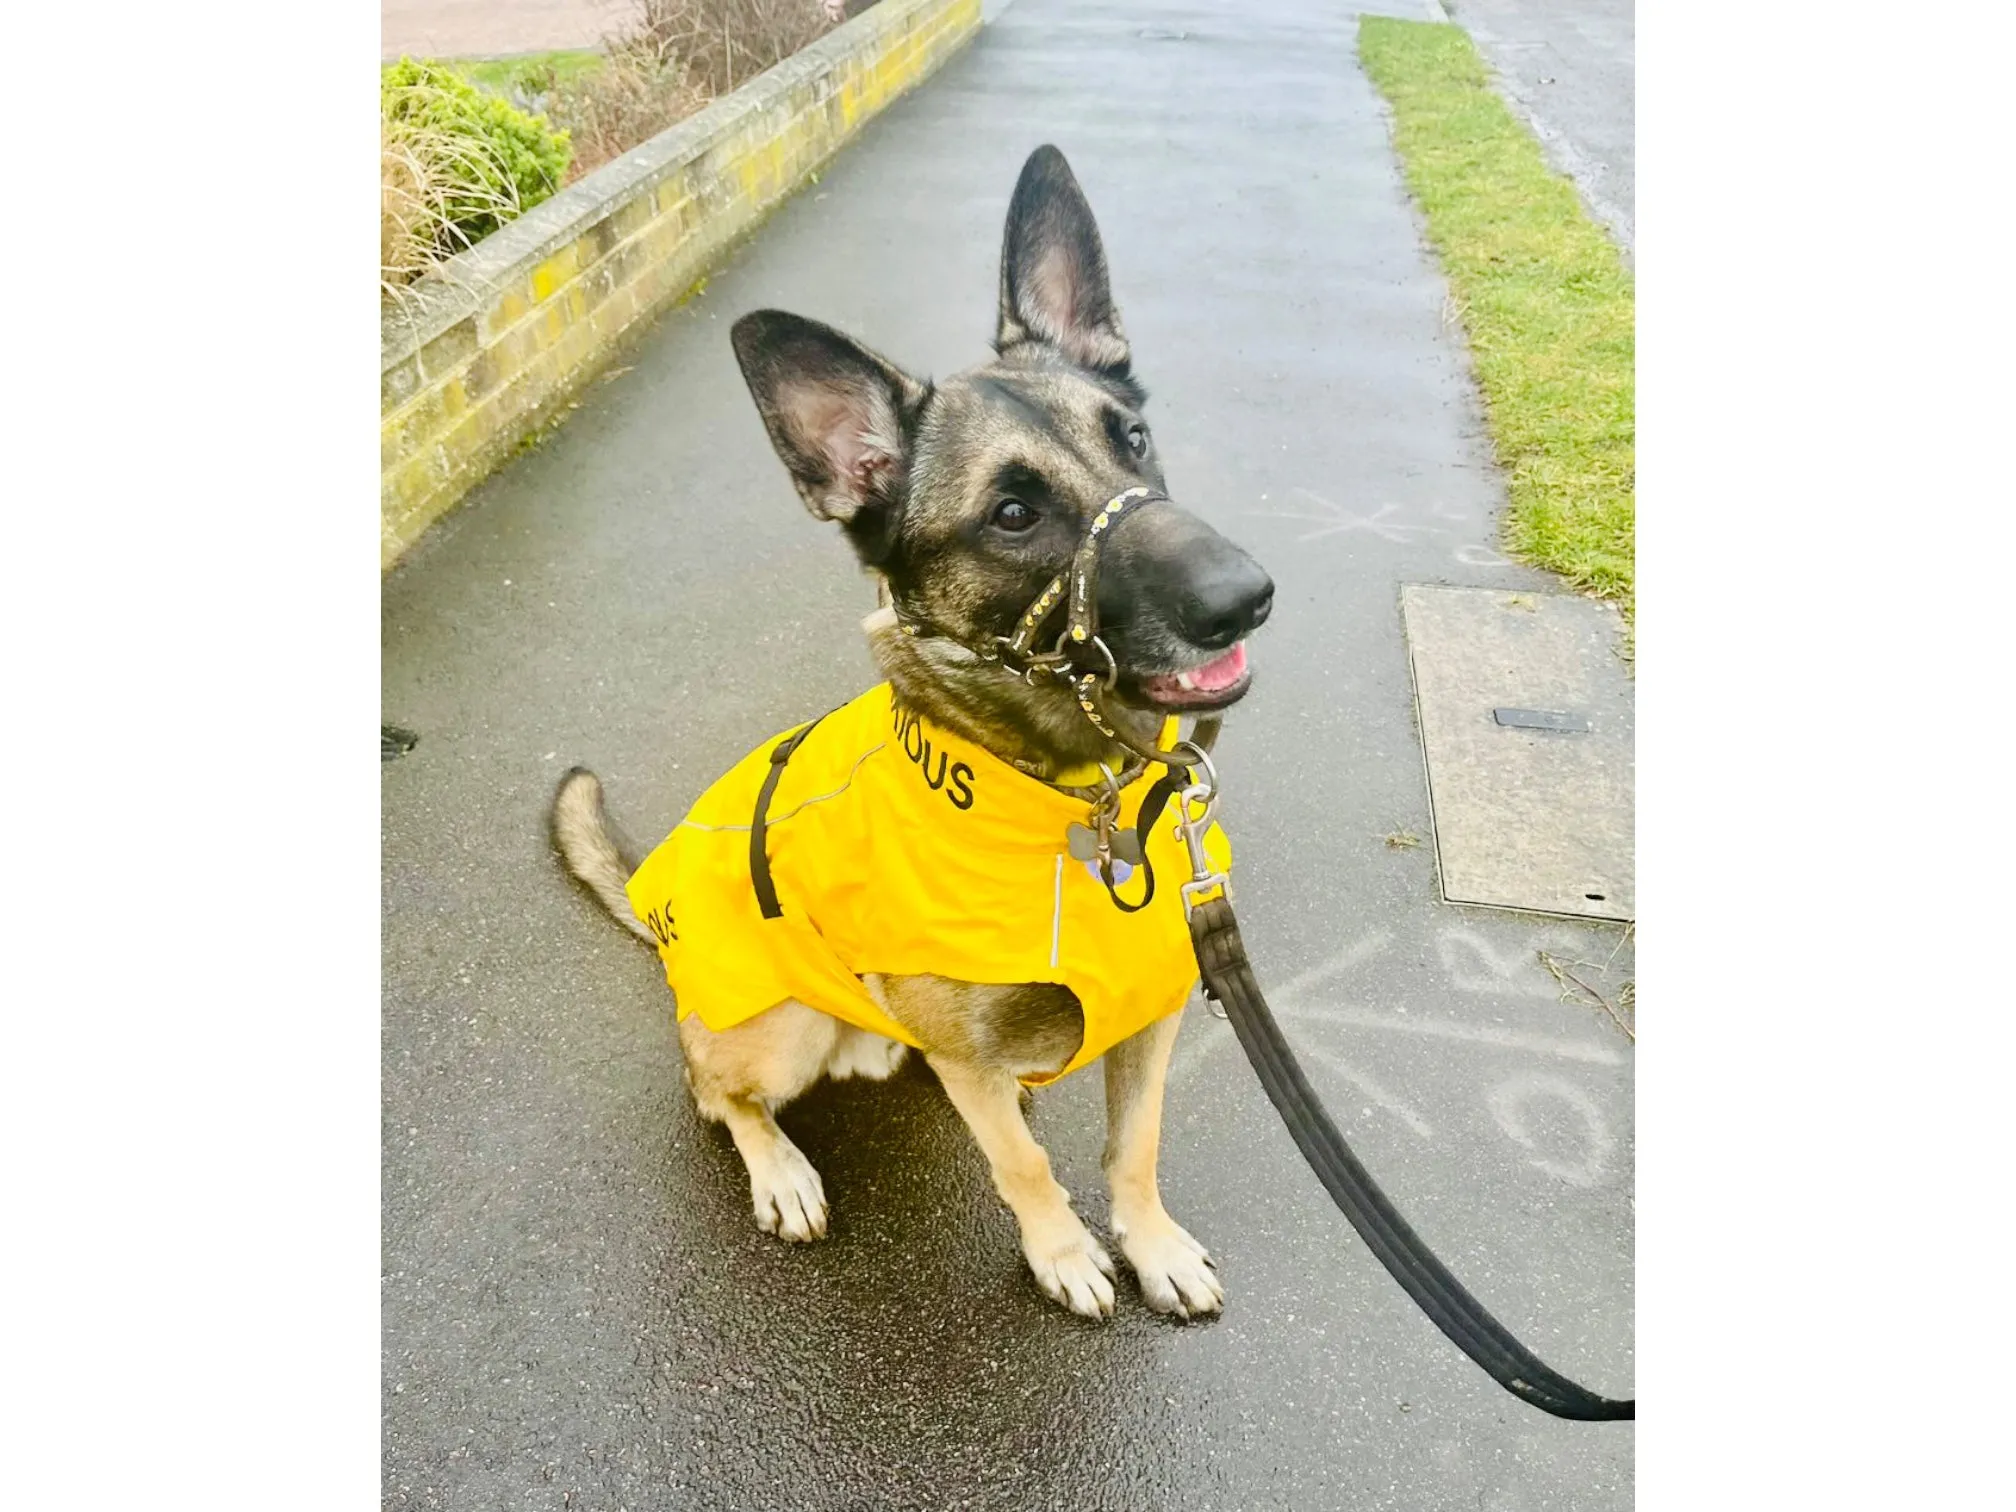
{"x":1217,"y":683}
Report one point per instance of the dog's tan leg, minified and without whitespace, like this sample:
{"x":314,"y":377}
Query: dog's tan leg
{"x":738,"y":1076}
{"x":1175,"y":1273}
{"x":789,"y":1198}
{"x":1068,"y":1263}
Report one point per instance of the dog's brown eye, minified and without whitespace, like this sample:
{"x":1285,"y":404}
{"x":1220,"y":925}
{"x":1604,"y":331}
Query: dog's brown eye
{"x":1014,"y":515}
{"x":1137,"y":440}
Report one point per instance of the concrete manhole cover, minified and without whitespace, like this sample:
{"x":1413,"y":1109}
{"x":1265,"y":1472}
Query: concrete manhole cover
{"x":1527,"y":724}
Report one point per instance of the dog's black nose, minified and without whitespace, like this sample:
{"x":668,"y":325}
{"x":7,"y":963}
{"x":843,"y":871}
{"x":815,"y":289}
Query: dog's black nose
{"x":1228,"y":601}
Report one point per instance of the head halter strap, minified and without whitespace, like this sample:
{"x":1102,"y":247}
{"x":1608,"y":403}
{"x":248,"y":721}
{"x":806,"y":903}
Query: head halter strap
{"x":1079,"y":583}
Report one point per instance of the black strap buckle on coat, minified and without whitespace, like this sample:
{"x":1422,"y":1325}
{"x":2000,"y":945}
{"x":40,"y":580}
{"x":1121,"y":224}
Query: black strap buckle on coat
{"x":759,"y":823}
{"x":1228,"y":977}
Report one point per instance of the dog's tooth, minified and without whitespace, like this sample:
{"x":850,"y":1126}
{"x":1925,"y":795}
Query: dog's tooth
{"x":1184,"y":682}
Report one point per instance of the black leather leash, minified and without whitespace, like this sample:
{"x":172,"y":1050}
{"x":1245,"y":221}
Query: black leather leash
{"x":1228,"y":978}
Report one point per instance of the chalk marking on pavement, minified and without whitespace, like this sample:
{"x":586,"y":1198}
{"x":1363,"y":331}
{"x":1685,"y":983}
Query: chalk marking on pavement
{"x":1500,"y":975}
{"x":1335,"y":519}
{"x":1508,"y":1101}
{"x":1503,"y":971}
{"x":1346,"y":958}
{"x":1189,"y":1054}
{"x":1372,"y":1089}
{"x":1591,"y":1052}
{"x":1470,"y":554}
{"x":1192,"y":1052}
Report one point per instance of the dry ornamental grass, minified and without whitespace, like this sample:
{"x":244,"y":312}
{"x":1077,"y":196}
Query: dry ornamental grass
{"x":426,"y":176}
{"x":456,"y":162}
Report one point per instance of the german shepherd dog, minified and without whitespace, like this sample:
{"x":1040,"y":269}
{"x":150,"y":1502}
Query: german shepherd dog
{"x":962,"y":498}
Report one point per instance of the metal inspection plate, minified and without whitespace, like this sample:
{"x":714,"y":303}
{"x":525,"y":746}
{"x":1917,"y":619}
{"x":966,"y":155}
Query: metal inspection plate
{"x":1527,"y":725}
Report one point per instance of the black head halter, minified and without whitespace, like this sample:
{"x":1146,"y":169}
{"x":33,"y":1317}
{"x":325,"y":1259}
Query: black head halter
{"x":1079,"y":584}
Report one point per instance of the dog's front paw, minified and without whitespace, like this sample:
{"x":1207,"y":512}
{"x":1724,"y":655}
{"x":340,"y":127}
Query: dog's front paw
{"x":1175,"y":1271}
{"x":1074,"y":1269}
{"x":789,"y":1197}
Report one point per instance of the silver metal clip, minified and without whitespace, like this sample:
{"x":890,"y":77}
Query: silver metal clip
{"x":1194,"y":811}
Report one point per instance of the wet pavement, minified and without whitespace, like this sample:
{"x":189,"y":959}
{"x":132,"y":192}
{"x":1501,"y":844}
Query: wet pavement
{"x":579,"y":1312}
{"x":1570,"y":68}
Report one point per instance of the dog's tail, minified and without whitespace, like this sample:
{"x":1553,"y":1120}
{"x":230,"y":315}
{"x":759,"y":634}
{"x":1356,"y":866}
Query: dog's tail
{"x":593,"y":848}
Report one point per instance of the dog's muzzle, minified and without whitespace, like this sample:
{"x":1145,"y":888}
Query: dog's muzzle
{"x":1078,"y":657}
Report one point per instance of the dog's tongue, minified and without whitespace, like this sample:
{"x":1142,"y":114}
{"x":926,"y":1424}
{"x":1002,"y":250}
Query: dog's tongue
{"x":1212,"y":677}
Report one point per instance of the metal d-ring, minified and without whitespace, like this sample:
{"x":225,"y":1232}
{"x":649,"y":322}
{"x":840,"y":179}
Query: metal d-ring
{"x":1105,"y":815}
{"x":1109,"y":801}
{"x":1061,"y":653}
{"x":1203,"y":760}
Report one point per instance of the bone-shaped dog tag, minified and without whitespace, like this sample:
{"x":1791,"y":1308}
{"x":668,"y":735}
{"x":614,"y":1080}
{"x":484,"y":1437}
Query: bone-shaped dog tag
{"x":1084,"y":841}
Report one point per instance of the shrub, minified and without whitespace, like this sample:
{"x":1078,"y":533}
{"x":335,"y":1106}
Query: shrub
{"x":725,"y":43}
{"x":457,"y":163}
{"x":627,"y":101}
{"x":665,"y":62}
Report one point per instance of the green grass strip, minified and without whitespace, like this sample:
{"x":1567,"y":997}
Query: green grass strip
{"x":1543,"y":295}
{"x":537,"y":71}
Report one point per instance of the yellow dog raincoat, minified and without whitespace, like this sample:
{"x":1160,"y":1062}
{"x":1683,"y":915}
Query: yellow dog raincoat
{"x":897,"y":847}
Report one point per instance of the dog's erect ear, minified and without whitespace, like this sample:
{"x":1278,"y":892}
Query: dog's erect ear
{"x":1053,"y":270}
{"x":841,"y":417}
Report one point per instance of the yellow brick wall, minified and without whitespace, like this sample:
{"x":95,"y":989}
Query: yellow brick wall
{"x":456,"y":405}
